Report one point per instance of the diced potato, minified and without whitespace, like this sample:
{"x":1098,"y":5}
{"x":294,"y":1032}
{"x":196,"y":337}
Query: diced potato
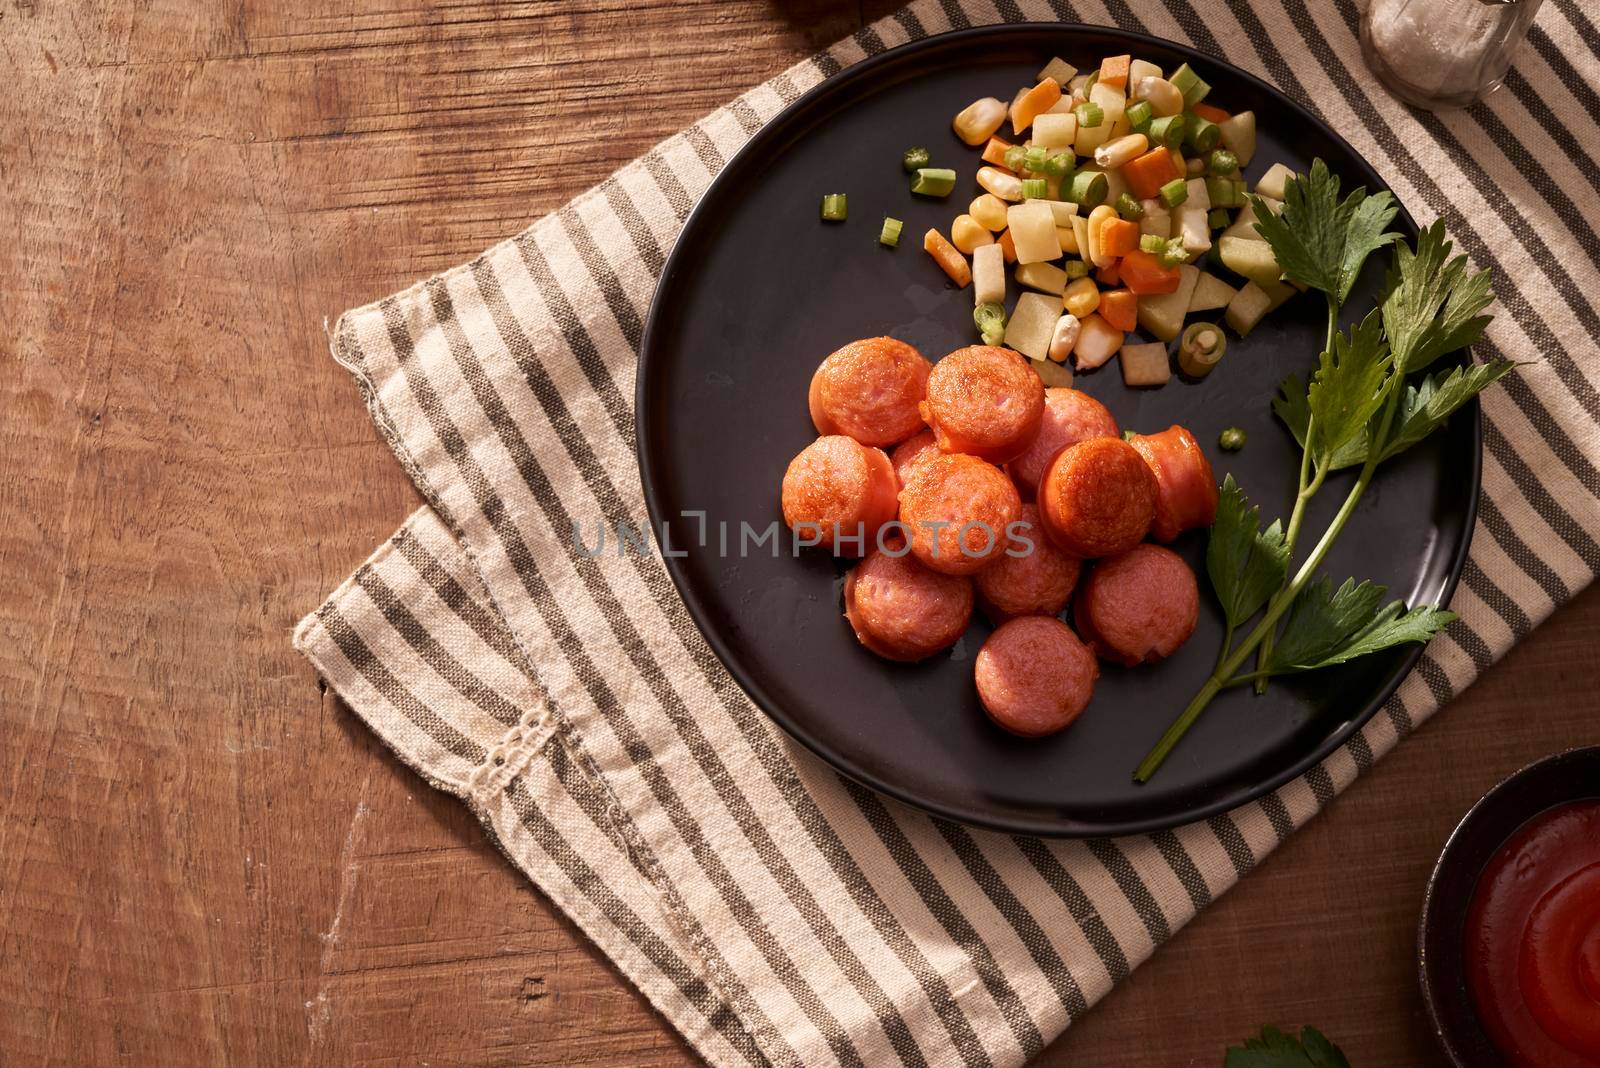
{"x":1239,"y":136}
{"x":1244,"y":223}
{"x":1145,"y":365}
{"x":1062,"y":106}
{"x":1032,"y":325}
{"x":1273,"y":184}
{"x":1033,"y":231}
{"x":1162,"y":314}
{"x":1063,"y":210}
{"x":1059,"y":69}
{"x":1199,"y":196}
{"x":1053,"y":375}
{"x":1138,"y":71}
{"x":1252,"y":259}
{"x":1210,"y":292}
{"x":1246,"y":308}
{"x":1189,"y":222}
{"x":988,"y":275}
{"x":1045,"y":277}
{"x":1112,"y":103}
{"x":1157,"y":219}
{"x":1277,"y":293}
{"x":1080,"y":234}
{"x":1098,"y":341}
{"x":1055,"y":129}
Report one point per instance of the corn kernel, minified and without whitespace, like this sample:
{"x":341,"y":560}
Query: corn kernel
{"x":1081,"y":297}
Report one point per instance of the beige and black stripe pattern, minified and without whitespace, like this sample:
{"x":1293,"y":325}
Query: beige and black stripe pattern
{"x":773,"y":912}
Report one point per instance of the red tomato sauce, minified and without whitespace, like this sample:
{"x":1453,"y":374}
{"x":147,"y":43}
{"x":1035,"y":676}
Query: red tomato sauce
{"x":1533,"y":941}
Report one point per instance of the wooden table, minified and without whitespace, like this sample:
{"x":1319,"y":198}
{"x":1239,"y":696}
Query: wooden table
{"x":203,"y":858}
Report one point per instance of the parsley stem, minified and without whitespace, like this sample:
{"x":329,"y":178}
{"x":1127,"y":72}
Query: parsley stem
{"x":1309,"y":485}
{"x":1223,"y":676}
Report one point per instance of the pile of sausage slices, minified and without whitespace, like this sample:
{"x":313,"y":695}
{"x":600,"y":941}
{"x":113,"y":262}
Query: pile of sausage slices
{"x":998,"y":492}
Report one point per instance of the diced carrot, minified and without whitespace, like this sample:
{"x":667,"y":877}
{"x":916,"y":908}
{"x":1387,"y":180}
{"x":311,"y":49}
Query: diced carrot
{"x":1146,"y":174}
{"x":1114,"y":71}
{"x":1110,"y":274}
{"x":1118,"y":237}
{"x":1143,"y":273}
{"x":1036,"y":101}
{"x":1120,"y":308}
{"x":948,"y":257}
{"x":1211,"y":112}
{"x":1008,"y":247}
{"x":995,"y":152}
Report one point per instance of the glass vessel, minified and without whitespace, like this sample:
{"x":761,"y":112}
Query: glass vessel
{"x":1443,"y":53}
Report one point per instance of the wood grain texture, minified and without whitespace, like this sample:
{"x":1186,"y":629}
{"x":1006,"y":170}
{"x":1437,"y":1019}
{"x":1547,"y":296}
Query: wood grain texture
{"x":203,"y":858}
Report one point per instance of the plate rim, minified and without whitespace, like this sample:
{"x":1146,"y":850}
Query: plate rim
{"x":840,"y":761}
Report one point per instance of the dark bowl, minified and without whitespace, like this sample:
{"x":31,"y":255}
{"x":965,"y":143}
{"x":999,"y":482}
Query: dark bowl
{"x":1573,"y":775}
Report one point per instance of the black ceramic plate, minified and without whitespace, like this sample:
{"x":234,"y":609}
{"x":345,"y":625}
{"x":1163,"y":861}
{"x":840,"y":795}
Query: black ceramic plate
{"x":1441,"y":937}
{"x":758,"y":291}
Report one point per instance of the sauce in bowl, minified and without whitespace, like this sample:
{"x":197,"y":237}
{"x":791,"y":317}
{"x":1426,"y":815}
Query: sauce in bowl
{"x":1532,"y":948}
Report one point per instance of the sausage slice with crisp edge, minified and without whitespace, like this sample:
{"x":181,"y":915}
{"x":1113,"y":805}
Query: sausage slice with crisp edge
{"x":957,"y":509}
{"x":1070,"y":416}
{"x":1187,"y":496}
{"x":1138,"y":607}
{"x":984,"y":401}
{"x":1034,"y":676}
{"x":870,"y":390}
{"x":1030,"y":577}
{"x":1097,"y":498}
{"x":840,"y":491}
{"x":901,"y":610}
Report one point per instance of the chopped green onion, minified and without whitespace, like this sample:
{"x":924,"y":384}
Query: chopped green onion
{"x":1200,"y":134}
{"x":1033,"y":159}
{"x":1217,"y":218}
{"x":1231,"y":439}
{"x":833,"y":207}
{"x":1015,"y":155}
{"x":890,"y":234}
{"x":1175,"y":192}
{"x":1225,"y":192}
{"x":1035,"y":189}
{"x":1190,"y":84}
{"x":1128,"y":207}
{"x":1166,"y":131}
{"x":934,"y":181}
{"x":1222,"y":162}
{"x":1139,"y":115}
{"x":1088,"y":83}
{"x":1174,"y":253}
{"x":1058,"y":165}
{"x":1090,"y":114}
{"x":1076,"y":269}
{"x":1088,"y":188}
{"x":915,"y":159}
{"x":1152,"y":243}
{"x":990,"y":319}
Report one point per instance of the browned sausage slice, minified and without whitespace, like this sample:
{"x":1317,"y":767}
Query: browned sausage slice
{"x":1188,"y":490}
{"x":870,"y":390}
{"x":1034,"y":676}
{"x":984,"y":401}
{"x":837,"y":493}
{"x":911,"y":452}
{"x":901,"y":610}
{"x":1030,"y":577}
{"x":1070,"y":416}
{"x":1097,"y":498}
{"x":957,"y":508}
{"x":1138,"y":607}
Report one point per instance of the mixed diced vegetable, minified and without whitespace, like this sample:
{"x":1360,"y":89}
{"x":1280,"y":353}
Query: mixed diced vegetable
{"x":1098,"y":200}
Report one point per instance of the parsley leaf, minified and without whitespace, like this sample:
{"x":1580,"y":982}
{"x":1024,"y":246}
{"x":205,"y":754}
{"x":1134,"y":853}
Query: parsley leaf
{"x":1320,"y":240}
{"x":1431,"y":303}
{"x":1274,"y":1049}
{"x":1428,"y":405}
{"x":1246,"y":564}
{"x":1327,"y":626}
{"x":1349,"y":385}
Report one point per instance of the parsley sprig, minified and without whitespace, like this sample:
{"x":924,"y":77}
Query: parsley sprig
{"x":1323,"y":242}
{"x":1274,"y":1049}
{"x":1357,"y":408}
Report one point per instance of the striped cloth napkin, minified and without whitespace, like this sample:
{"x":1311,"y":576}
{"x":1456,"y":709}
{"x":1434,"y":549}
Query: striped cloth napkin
{"x":772,"y":911}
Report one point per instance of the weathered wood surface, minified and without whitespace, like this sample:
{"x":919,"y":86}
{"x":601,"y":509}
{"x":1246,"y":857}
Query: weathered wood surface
{"x":204,"y":860}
